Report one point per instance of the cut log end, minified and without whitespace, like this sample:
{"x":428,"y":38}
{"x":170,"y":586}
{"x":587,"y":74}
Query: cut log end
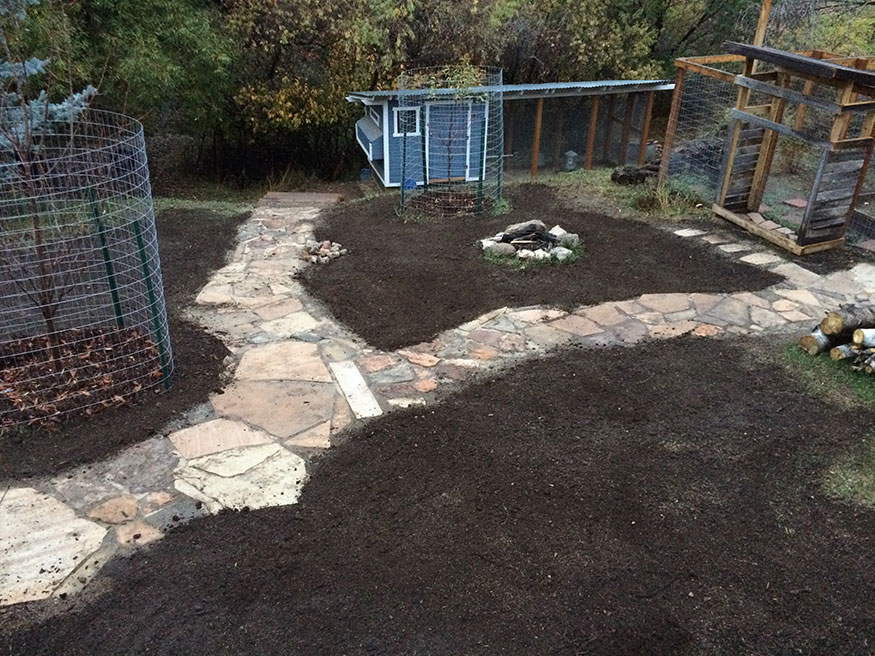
{"x":809,"y":344}
{"x":833,"y":323}
{"x":844,"y":351}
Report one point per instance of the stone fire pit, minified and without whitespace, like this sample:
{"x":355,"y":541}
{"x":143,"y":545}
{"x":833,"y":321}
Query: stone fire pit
{"x":532,"y":240}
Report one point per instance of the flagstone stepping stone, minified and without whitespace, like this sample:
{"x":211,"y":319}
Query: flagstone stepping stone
{"x":795,"y":316}
{"x":137,"y":534}
{"x":317,"y":437}
{"x":250,"y":477}
{"x":761,"y":259}
{"x":766,"y":318}
{"x":282,"y":408}
{"x":46,"y":545}
{"x":689,"y":232}
{"x":802,"y":296}
{"x":116,"y":511}
{"x":732,"y":311}
{"x":796,"y":274}
{"x":537,"y":315}
{"x":283,"y":361}
{"x":605,"y":314}
{"x":280,"y":309}
{"x":666,"y":302}
{"x":707,"y":330}
{"x":215,"y":436}
{"x":752,"y":299}
{"x":297,"y":322}
{"x":734,"y":248}
{"x":576,"y":325}
{"x":668,"y":330}
{"x":704,"y":302}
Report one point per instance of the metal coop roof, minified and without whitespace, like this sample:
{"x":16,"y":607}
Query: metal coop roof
{"x":528,"y":91}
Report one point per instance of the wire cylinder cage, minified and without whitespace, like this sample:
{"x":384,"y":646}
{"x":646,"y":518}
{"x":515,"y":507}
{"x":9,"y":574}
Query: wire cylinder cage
{"x":450,"y":132}
{"x":83,"y":324}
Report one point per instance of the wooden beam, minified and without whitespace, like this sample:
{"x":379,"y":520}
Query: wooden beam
{"x":645,"y":128}
{"x":812,"y":197}
{"x":802,"y":109}
{"x":627,"y":127}
{"x":842,"y":123}
{"x":539,"y":114}
{"x":609,"y":128}
{"x":801,"y":64}
{"x":558,"y":136}
{"x":774,"y":237}
{"x":759,"y":37}
{"x":868,"y":129}
{"x":788,"y":94}
{"x":593,"y":121}
{"x":777,"y":127}
{"x":672,"y":126}
{"x":767,"y":150}
{"x":734,"y":135}
{"x":716,"y":73}
{"x":709,"y":59}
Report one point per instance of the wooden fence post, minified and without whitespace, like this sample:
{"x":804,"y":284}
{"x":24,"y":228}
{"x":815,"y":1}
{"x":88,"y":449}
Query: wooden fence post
{"x":539,"y":114}
{"x":645,"y":128}
{"x":670,"y":129}
{"x":593,"y":120}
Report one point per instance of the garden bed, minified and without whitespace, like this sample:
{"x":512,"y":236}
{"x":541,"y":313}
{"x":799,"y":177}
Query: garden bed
{"x":610,"y":501}
{"x":404,"y":282}
{"x":192,"y":244}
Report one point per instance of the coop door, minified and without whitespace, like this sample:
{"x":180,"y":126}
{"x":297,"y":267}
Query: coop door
{"x":448,"y":141}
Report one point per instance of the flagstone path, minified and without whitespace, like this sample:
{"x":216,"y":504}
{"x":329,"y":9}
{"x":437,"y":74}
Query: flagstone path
{"x":298,"y":379}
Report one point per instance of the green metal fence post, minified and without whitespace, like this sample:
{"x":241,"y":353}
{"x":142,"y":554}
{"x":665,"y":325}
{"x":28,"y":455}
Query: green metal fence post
{"x":482,"y":162}
{"x":156,"y":319}
{"x":107,"y":260}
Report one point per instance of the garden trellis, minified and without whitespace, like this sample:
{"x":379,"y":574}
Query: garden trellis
{"x":450,"y":125}
{"x":83,"y":323}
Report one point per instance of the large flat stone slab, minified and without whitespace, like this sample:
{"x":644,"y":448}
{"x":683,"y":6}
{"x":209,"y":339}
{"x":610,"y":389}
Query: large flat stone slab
{"x":282,"y":408}
{"x":666,"y":303}
{"x":41,"y":543}
{"x":577,"y":325}
{"x":251,"y":477}
{"x":283,"y":361}
{"x":799,"y":276}
{"x":215,"y":436}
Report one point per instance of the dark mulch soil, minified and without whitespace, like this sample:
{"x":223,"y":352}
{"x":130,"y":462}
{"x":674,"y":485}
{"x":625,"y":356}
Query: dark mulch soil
{"x":658,"y":500}
{"x":405,"y":282}
{"x":192,"y":244}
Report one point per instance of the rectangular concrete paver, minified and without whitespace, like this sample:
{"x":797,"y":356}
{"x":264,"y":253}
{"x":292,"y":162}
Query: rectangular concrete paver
{"x":761,"y":259}
{"x":361,"y":400}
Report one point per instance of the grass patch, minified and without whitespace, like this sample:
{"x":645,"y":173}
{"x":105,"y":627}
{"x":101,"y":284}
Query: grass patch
{"x":830,"y":379}
{"x":222,"y":208}
{"x":852,"y":477}
{"x":592,"y":189}
{"x":513,"y":262}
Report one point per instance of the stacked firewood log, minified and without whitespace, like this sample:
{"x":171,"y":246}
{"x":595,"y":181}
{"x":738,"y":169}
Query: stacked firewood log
{"x":848,"y":334}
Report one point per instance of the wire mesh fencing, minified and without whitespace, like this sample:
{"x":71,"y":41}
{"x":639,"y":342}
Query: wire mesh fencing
{"x":451,"y":131}
{"x":83,"y":324}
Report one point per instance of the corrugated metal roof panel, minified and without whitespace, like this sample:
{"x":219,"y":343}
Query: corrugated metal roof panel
{"x":529,"y":90}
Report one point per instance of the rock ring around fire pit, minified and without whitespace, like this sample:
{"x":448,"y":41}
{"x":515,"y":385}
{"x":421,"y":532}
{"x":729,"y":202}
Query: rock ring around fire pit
{"x":531,"y":242}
